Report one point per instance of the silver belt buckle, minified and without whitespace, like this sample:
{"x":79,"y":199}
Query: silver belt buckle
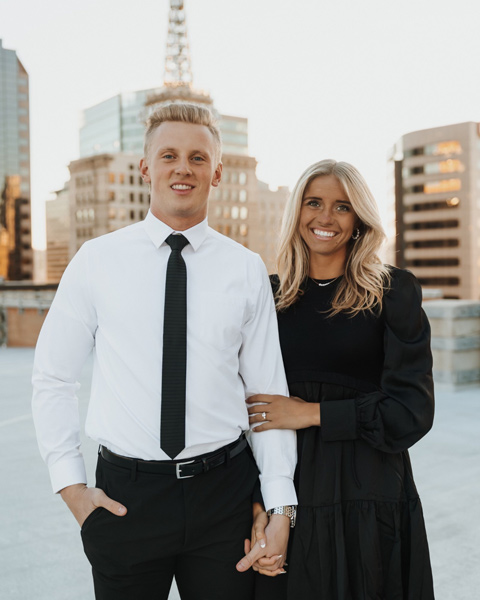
{"x":178,"y":469}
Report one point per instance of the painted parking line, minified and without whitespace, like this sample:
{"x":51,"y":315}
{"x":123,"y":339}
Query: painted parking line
{"x":15,"y":420}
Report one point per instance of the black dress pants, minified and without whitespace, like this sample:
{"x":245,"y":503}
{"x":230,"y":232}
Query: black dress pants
{"x":193,"y":529}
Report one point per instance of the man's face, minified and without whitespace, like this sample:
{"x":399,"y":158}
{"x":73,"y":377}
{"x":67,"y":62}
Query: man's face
{"x":181,"y":167}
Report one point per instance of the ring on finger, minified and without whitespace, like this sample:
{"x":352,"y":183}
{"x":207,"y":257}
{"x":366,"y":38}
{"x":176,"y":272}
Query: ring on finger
{"x":264,"y":416}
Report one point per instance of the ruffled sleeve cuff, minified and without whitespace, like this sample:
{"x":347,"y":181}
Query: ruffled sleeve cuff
{"x":338,"y":420}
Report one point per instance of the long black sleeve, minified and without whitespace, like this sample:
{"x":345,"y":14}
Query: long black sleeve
{"x":401,"y":412}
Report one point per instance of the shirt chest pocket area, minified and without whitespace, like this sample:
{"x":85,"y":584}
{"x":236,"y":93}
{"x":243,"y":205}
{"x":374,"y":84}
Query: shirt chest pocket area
{"x":215,"y":320}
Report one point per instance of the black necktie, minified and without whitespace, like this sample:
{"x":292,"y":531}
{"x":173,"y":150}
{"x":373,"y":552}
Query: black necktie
{"x":174,"y":367}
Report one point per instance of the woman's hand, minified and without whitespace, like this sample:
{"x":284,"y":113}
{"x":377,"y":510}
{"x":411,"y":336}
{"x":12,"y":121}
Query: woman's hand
{"x":267,"y":549}
{"x":282,"y":412}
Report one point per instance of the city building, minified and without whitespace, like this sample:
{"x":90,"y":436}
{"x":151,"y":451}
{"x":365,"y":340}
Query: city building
{"x":16,"y":255}
{"x":106,"y":192}
{"x":437,"y":205}
{"x":58,"y":235}
{"x":114,"y":125}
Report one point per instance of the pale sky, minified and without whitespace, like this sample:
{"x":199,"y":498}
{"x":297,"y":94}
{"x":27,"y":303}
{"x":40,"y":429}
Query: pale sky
{"x":316,"y":79}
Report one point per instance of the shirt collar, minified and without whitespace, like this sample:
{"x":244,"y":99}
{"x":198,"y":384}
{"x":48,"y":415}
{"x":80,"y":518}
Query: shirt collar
{"x":158,"y":231}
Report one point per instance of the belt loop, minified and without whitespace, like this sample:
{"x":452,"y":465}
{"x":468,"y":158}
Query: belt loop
{"x":133,"y":472}
{"x":227,"y":458}
{"x":99,"y":448}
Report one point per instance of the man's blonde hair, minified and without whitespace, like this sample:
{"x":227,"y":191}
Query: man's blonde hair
{"x":183,"y":112}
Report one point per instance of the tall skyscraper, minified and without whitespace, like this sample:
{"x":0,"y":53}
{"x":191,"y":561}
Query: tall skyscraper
{"x":437,"y":202}
{"x":16,"y":256}
{"x":115,"y":125}
{"x":106,"y":191}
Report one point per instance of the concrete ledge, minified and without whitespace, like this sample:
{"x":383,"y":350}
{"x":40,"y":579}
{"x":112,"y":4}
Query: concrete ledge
{"x":471,"y":376}
{"x":455,"y":342}
{"x":452,"y":309}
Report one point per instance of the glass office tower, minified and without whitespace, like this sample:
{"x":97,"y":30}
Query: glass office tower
{"x":16,"y":261}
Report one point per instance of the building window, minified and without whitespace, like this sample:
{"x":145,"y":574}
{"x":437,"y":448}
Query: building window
{"x":228,"y":229}
{"x":234,"y":177}
{"x":235,"y":212}
{"x":441,"y":204}
{"x":439,"y":281}
{"x":121,"y":178}
{"x":440,"y":149}
{"x":435,"y":187}
{"x":140,"y":198}
{"x":111,"y":196}
{"x":448,"y":243}
{"x":111,"y":213}
{"x":443,"y":148}
{"x":111,"y":178}
{"x":243,"y":229}
{"x":433,"y":262}
{"x":242,"y":195}
{"x":434,"y":168}
{"x":140,"y":181}
{"x":445,"y":185}
{"x":444,"y":166}
{"x":226,"y":212}
{"x":132,"y":180}
{"x":132,"y":197}
{"x":244,"y":213}
{"x":132,"y":215}
{"x":447,"y":224}
{"x":242,"y":178}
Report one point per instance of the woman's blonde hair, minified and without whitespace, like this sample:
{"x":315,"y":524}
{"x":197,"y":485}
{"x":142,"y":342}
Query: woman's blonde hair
{"x":365,"y":275}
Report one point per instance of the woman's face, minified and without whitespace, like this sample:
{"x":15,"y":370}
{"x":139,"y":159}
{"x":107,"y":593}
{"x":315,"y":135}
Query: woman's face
{"x":327,"y":219}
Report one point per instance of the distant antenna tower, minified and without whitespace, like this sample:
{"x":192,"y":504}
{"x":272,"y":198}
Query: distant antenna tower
{"x":178,"y":81}
{"x":178,"y":67}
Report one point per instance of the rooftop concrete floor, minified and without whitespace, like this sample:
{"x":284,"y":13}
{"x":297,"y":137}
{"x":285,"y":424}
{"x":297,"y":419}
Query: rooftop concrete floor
{"x":41,"y":555}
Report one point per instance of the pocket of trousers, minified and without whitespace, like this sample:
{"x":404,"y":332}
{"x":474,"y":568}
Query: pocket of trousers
{"x":90,"y":518}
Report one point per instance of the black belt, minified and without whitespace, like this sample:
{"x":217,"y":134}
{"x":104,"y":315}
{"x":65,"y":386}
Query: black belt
{"x":181,"y":469}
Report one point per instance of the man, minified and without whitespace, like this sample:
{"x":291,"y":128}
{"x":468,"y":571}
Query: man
{"x":174,"y":482}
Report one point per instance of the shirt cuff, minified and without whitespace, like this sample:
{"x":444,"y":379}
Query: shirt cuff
{"x":67,"y":472}
{"x":338,"y":420}
{"x":278,"y":491}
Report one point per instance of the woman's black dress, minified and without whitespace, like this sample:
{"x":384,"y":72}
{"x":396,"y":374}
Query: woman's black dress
{"x":360,"y":533}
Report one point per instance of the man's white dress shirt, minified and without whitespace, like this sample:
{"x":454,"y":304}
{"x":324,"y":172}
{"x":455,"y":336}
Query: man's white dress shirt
{"x":111,"y":300}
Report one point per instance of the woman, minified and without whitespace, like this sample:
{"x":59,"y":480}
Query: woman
{"x":356,"y":348}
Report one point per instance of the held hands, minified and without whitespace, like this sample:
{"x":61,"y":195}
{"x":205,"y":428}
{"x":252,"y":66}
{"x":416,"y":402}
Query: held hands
{"x":267,"y":550}
{"x":282,"y":412}
{"x":82,"y":501}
